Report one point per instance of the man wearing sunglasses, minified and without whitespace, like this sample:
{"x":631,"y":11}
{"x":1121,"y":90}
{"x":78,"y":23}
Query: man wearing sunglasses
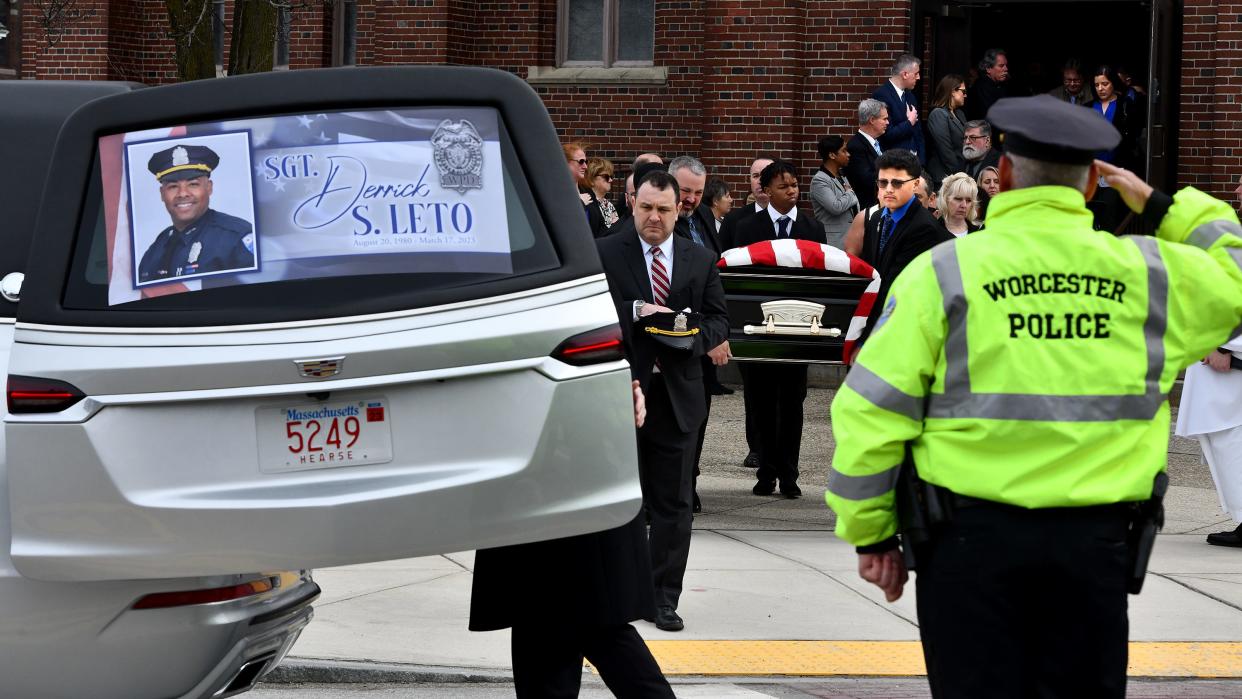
{"x":904,"y":230}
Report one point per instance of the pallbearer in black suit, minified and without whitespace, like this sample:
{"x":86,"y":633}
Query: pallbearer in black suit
{"x":728,"y":231}
{"x":656,"y":272}
{"x":696,"y":222}
{"x":778,"y":390}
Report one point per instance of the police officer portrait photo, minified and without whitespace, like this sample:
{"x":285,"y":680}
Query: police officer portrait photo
{"x":191,"y":207}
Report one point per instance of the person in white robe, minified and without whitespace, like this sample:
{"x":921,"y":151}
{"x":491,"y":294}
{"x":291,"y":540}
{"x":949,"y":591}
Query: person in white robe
{"x":1211,"y":409}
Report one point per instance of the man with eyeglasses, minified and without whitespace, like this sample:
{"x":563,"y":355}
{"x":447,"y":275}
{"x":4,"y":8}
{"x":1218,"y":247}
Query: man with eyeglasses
{"x":1072,"y":89}
{"x":977,"y":148}
{"x":904,"y":230}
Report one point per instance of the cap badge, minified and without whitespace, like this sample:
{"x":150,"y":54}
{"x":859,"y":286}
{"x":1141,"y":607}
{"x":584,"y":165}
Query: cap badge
{"x":679,"y":323}
{"x":180,"y":157}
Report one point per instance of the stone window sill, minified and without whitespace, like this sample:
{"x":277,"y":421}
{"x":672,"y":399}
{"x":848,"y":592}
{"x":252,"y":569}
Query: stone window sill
{"x":595,"y":75}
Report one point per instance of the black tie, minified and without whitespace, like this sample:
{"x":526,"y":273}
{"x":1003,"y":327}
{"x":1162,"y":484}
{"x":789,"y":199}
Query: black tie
{"x":783,"y":223}
{"x":886,"y":231}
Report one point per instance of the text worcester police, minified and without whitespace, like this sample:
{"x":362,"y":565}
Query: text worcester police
{"x":1055,"y":326}
{"x":347,"y":175}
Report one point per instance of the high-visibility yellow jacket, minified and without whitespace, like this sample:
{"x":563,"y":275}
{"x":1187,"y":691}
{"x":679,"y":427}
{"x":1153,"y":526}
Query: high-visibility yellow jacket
{"x":1030,"y":363}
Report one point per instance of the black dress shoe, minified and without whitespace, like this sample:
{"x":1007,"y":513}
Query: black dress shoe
{"x":764,"y":488}
{"x":666,"y":619}
{"x":720,"y":390}
{"x":791,"y":490}
{"x":751,"y":460}
{"x":1232,"y":539}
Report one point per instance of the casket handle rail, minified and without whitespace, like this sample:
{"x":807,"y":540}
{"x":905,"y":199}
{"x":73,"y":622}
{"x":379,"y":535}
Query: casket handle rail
{"x":792,"y":317}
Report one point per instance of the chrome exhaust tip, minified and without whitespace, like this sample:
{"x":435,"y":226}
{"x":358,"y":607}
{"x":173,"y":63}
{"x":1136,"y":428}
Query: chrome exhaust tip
{"x":246,"y":677}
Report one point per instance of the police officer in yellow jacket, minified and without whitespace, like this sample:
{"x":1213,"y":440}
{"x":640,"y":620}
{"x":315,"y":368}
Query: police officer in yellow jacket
{"x":1025,"y":370}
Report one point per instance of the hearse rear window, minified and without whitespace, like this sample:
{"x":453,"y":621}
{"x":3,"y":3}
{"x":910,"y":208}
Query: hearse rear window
{"x":294,"y":209}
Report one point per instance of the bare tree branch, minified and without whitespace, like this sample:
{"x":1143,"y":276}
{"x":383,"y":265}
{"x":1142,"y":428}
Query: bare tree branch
{"x":58,"y":17}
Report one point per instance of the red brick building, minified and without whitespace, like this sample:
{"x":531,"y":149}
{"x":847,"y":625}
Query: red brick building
{"x":724,"y":79}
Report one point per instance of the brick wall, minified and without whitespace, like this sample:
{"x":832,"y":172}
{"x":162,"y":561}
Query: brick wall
{"x":744,"y":76}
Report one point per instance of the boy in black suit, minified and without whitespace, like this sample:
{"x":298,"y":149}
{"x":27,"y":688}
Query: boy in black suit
{"x":658,"y":272}
{"x":778,"y":390}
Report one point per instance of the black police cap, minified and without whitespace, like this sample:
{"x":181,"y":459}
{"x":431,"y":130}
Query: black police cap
{"x":675,"y":330}
{"x":183,"y":162}
{"x":1045,"y":128}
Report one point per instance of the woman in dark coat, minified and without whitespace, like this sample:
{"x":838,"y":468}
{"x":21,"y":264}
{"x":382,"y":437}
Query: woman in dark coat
{"x":1127,"y":117}
{"x":569,"y":599}
{"x":947,"y":126}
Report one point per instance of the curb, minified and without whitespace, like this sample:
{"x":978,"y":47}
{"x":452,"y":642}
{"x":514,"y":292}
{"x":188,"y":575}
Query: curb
{"x":323,"y":671}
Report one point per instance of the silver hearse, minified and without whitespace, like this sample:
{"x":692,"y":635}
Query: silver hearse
{"x":278,"y":322}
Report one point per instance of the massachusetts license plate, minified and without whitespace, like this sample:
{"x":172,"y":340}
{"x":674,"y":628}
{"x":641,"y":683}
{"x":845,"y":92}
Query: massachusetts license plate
{"x":324,"y":435}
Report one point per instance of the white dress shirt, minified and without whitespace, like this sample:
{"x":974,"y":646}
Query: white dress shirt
{"x":776,"y":227}
{"x":875,"y":145}
{"x":667,"y":249}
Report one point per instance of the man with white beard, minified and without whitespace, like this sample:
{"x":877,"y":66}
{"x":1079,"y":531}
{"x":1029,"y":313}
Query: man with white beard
{"x":977,"y":148}
{"x":1211,"y":409}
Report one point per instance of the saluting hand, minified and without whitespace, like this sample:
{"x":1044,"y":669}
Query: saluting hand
{"x":1133,"y":190}
{"x":886,"y":571}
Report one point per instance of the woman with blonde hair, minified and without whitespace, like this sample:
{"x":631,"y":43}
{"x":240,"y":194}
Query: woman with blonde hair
{"x":576,"y":159}
{"x":959,"y":197}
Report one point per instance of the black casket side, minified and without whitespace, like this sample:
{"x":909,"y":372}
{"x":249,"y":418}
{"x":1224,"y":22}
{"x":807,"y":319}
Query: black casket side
{"x":747,"y":288}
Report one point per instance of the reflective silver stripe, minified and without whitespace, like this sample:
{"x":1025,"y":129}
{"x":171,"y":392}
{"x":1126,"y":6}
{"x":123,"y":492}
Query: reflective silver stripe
{"x":1157,"y":312}
{"x":956,"y":349}
{"x":862,"y":487}
{"x":883,"y":394}
{"x":958,"y":401}
{"x":1207,"y":234}
{"x":1045,"y":408}
{"x":1236,"y":254}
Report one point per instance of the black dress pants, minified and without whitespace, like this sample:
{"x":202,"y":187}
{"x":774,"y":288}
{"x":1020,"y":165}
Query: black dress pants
{"x":665,"y":468}
{"x":1024,"y":604}
{"x":779,"y":391}
{"x":752,"y":410}
{"x":547,"y":661}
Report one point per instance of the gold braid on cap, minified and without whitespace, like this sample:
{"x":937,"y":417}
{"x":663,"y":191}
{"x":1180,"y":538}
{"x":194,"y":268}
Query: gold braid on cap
{"x":671,"y":333}
{"x":176,"y":168}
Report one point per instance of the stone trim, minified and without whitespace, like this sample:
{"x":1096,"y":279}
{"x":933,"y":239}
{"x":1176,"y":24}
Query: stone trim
{"x":597,"y":75}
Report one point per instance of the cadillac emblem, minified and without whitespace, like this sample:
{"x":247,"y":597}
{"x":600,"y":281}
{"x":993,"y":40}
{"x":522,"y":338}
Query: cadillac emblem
{"x":320,"y":368}
{"x":457,"y":149}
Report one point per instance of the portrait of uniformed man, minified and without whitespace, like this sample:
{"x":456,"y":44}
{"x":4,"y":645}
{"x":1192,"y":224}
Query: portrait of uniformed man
{"x":200,"y":240}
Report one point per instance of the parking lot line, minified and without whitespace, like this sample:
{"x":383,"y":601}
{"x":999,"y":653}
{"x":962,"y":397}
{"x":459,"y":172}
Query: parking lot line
{"x":905,"y":658}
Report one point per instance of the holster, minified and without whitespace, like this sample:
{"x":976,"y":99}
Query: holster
{"x":1147,"y":518}
{"x":920,"y":506}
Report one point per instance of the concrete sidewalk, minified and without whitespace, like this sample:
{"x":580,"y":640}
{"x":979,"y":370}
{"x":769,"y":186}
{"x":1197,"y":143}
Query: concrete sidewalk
{"x":765,"y":572}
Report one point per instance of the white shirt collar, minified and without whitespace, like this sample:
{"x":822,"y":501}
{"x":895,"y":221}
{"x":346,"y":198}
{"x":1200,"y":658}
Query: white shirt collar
{"x":793,"y":215}
{"x":666,"y":248}
{"x":759,"y":208}
{"x":870,"y":140}
{"x":900,"y":92}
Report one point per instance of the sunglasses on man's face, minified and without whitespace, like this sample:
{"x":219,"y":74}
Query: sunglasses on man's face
{"x":580,"y":161}
{"x":897,"y":184}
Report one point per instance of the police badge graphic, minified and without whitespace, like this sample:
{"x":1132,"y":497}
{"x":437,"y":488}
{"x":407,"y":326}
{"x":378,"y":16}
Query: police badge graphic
{"x":458,"y":151}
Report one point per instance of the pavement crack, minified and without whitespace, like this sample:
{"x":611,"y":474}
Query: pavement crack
{"x":385,"y":589}
{"x":1197,"y":591}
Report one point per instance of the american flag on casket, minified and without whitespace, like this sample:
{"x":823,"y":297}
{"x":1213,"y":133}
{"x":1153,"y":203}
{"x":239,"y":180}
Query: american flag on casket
{"x":805,"y":254}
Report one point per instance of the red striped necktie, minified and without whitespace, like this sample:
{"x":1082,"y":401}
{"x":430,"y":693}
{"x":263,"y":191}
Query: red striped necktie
{"x":659,"y":277}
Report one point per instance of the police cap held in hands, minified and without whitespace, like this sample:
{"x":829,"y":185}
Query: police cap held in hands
{"x":1045,"y":128}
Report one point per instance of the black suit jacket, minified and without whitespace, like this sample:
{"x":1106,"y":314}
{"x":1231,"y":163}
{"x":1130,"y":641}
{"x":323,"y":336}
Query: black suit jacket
{"x":861,"y":172}
{"x":901,"y":133}
{"x":707,"y":228}
{"x":759,"y":227}
{"x":695,"y":285}
{"x":728,"y":227}
{"x":983,"y":94}
{"x":916,"y":233}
